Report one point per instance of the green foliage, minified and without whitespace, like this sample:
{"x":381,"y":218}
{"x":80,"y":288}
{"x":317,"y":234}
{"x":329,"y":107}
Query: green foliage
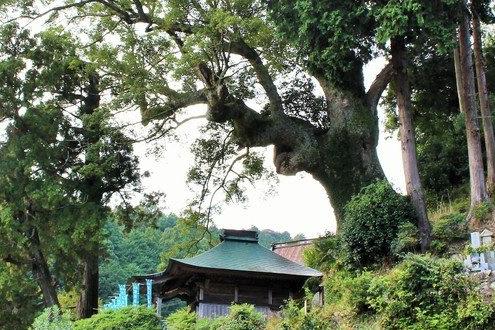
{"x":406,"y":240}
{"x":132,"y":253}
{"x":20,"y":297}
{"x":372,"y":222}
{"x":325,"y":253}
{"x":266,"y":237}
{"x":243,"y":317}
{"x":425,"y":293}
{"x":127,"y":318}
{"x":182,"y":319}
{"x":294,"y":317}
{"x":53,"y":319}
{"x":337,"y":37}
{"x":482,"y":211}
{"x":240,"y":317}
{"x":447,"y":230}
{"x":347,"y":295}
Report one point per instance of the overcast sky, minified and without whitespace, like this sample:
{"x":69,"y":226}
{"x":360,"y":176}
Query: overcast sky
{"x":299,"y":205}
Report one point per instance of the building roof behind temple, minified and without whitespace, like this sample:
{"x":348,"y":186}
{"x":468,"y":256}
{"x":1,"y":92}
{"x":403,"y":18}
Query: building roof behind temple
{"x":292,"y":250}
{"x":239,"y":251}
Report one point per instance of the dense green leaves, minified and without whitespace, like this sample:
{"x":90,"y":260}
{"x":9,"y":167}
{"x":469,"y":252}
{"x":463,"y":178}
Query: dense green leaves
{"x":372,"y":222}
{"x":128,"y":318}
{"x":424,"y":292}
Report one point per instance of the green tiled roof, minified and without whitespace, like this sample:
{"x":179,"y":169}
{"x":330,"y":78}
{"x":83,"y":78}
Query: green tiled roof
{"x":246,"y":255}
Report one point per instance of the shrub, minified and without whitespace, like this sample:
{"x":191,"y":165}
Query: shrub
{"x":53,"y":319}
{"x":325,"y":253}
{"x":243,"y":317}
{"x":482,"y":211}
{"x":347,"y":294}
{"x":294,"y":317}
{"x":429,"y":293}
{"x":406,"y":240}
{"x":240,"y":317}
{"x":135,"y":318}
{"x":182,"y":319}
{"x":371,"y":224}
{"x":447,"y":230}
{"x":450,"y":227}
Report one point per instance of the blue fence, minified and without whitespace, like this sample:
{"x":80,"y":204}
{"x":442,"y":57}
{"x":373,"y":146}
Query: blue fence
{"x":122,"y":299}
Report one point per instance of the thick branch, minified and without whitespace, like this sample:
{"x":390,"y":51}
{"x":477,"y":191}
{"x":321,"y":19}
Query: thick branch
{"x":378,"y":86}
{"x":264,"y":77}
{"x":176,"y":102}
{"x":296,"y":145}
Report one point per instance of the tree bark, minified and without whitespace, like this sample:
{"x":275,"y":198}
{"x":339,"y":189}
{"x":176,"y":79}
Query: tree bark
{"x":92,"y":190}
{"x":88,"y":301}
{"x":407,"y":138}
{"x":467,"y":104}
{"x":41,"y":270}
{"x":486,"y":116}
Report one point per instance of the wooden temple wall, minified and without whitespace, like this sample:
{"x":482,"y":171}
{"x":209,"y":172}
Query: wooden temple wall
{"x":215,"y":310}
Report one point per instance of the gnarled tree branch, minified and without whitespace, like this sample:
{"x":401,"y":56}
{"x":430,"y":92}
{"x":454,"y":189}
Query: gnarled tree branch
{"x":378,"y":86}
{"x":239,"y":47}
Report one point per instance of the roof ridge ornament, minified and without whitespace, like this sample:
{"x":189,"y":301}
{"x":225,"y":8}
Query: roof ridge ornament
{"x":239,"y":235}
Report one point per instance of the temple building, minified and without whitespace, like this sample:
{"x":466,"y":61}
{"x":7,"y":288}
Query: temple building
{"x":238,"y":270}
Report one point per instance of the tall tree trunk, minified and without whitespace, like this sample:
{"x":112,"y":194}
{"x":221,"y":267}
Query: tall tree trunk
{"x":486,"y":116}
{"x":88,"y":301}
{"x":466,"y":92}
{"x":41,"y":270}
{"x":407,"y":138}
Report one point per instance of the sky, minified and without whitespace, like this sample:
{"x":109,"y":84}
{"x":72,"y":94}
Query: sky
{"x":299,"y":203}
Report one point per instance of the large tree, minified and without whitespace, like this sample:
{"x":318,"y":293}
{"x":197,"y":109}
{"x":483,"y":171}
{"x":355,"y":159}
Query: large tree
{"x":61,"y":162}
{"x":170,"y":55}
{"x":465,"y":80}
{"x":219,"y":54}
{"x":481,"y":11}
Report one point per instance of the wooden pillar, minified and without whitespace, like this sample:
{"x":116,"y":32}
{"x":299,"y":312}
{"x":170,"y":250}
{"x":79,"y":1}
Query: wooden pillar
{"x":270,"y":297}
{"x":236,"y":294}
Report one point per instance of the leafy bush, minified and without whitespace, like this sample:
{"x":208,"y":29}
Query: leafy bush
{"x":135,"y":318}
{"x":243,"y":317}
{"x":371,"y":224}
{"x":447,"y":230}
{"x":347,"y":295}
{"x":482,"y":211}
{"x":182,"y":319}
{"x":325,"y":253}
{"x":294,"y":317}
{"x":53,"y":319}
{"x":240,"y":317}
{"x":407,"y":239}
{"x":429,"y":293}
{"x":450,"y":227}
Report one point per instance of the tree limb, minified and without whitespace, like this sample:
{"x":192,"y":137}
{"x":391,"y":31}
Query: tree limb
{"x":378,"y":86}
{"x":241,"y":48}
{"x":178,"y":100}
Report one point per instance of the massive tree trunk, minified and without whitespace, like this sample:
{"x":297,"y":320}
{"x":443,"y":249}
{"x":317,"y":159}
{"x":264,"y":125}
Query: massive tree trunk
{"x":407,"y":138}
{"x":88,"y":301}
{"x":347,"y":157}
{"x":486,"y":116}
{"x":342,"y":158}
{"x":466,"y":92}
{"x":41,"y":270}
